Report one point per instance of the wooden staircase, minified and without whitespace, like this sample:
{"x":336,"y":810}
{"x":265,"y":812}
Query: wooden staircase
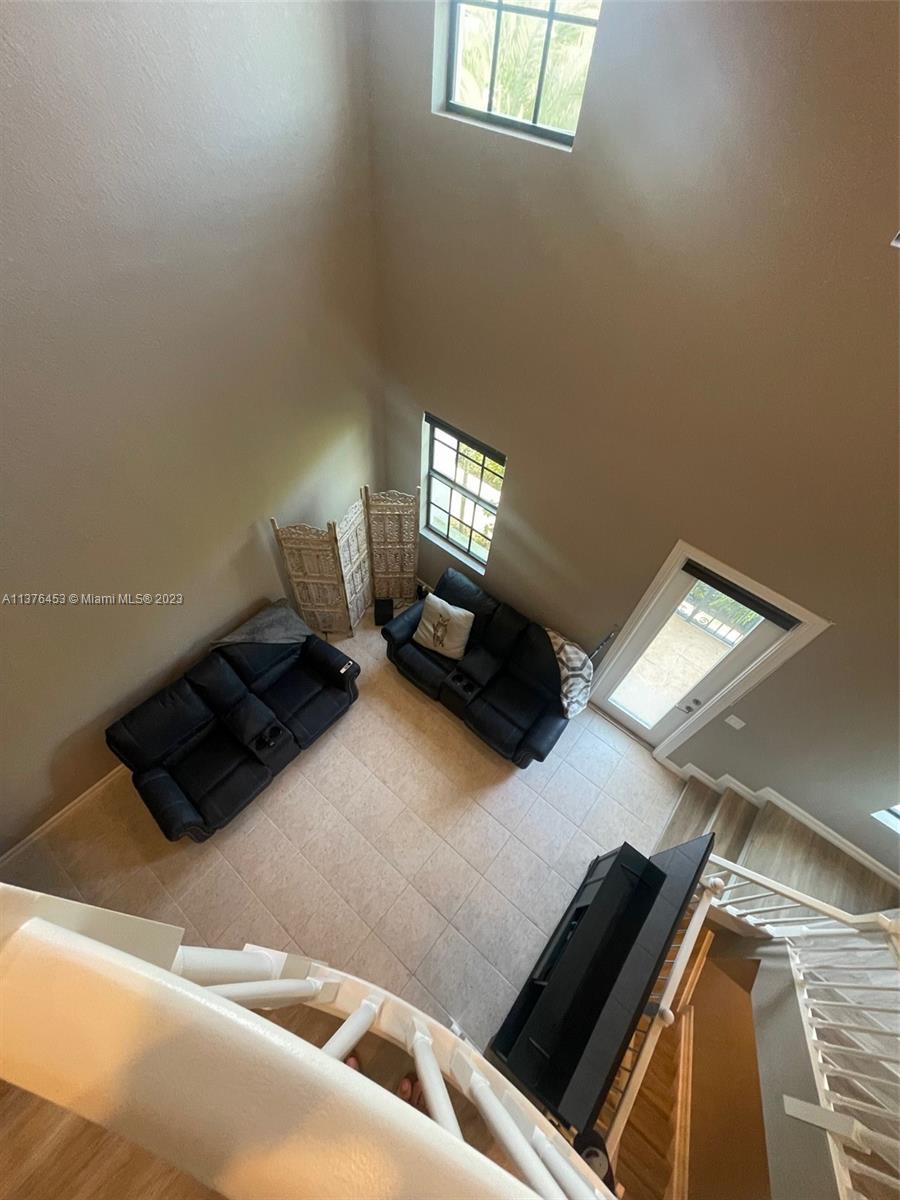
{"x":653,"y":1156}
{"x":702,"y":810}
{"x":773,"y":843}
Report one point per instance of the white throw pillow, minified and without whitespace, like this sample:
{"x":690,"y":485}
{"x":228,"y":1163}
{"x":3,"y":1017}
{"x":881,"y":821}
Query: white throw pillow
{"x":444,"y":628}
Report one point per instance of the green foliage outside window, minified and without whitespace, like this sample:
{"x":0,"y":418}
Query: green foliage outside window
{"x":732,"y":612}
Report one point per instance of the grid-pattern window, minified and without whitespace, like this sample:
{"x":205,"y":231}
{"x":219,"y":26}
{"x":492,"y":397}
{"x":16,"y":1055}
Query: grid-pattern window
{"x":463,"y":487}
{"x":521,"y":63}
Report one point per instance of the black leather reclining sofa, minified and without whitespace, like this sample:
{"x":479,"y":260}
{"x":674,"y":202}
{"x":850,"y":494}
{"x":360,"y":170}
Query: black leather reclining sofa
{"x":201,"y":749}
{"x":506,"y":687}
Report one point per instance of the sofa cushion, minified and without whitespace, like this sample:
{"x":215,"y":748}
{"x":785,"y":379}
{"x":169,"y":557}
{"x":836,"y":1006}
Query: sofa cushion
{"x":460,"y":591}
{"x":519,"y":703}
{"x":259,"y":664}
{"x":158,"y":727}
{"x":424,"y":667}
{"x":533,"y":660}
{"x":217,"y":682}
{"x":318,"y":714}
{"x":479,"y":664}
{"x":503,"y":630}
{"x":233,"y":792}
{"x":490,"y":724}
{"x":443,"y":627}
{"x":290,"y":692}
{"x":204,"y":772}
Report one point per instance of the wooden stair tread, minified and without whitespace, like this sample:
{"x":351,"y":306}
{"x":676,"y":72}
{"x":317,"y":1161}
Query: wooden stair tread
{"x":732,"y":822}
{"x":690,"y":816}
{"x":654,"y":1126}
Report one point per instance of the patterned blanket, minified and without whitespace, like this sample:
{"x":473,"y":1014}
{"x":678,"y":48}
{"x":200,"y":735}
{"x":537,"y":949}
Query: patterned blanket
{"x":575,"y":673}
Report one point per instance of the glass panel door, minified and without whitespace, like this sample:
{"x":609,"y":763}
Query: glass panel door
{"x":693,"y":641}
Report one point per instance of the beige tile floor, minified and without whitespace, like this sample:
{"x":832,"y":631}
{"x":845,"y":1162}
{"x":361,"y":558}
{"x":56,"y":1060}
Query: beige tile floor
{"x":398,"y":847}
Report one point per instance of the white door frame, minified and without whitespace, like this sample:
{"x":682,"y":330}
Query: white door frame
{"x":809,"y":627}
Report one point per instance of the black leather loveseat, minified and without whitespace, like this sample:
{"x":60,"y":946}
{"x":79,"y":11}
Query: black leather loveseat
{"x":201,"y":749}
{"x":506,"y":687}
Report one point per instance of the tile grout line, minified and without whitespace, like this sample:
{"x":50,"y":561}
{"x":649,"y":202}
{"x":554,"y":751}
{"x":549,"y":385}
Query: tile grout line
{"x":410,"y":882}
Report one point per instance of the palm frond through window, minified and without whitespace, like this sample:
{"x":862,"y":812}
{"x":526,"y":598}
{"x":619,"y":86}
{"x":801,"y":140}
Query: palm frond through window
{"x":522,"y":64}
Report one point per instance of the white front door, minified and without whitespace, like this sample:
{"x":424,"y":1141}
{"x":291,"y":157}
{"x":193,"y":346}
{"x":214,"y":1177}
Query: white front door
{"x":698,"y":635}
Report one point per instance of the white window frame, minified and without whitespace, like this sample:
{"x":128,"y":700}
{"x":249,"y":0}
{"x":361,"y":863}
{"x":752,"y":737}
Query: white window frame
{"x":430,"y":472}
{"x":446,"y":34}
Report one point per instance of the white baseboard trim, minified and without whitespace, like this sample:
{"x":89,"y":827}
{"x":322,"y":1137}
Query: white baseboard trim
{"x":64,"y":812}
{"x":768,"y":795}
{"x":722,"y":784}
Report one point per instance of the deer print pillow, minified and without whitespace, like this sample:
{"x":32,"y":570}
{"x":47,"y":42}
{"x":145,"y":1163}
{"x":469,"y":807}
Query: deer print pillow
{"x":444,"y":628}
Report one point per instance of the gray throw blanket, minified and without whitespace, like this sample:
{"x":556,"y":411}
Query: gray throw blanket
{"x":275,"y":625}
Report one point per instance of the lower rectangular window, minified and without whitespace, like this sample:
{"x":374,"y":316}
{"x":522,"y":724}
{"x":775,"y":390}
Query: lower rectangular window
{"x":463,"y":485}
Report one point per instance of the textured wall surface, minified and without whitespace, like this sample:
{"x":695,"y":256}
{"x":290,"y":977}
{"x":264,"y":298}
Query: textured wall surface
{"x":685,"y":328}
{"x":189,"y":341}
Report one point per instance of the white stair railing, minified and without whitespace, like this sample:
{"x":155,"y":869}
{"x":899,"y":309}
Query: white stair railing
{"x":846,"y":971}
{"x":106,"y":1015}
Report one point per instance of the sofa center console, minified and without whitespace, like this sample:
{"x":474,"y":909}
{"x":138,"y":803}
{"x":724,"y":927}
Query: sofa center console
{"x":456,"y":692}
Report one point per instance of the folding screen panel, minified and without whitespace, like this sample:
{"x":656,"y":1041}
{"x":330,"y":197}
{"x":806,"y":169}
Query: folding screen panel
{"x":313,"y":565}
{"x":393,"y":519}
{"x":353,"y":553}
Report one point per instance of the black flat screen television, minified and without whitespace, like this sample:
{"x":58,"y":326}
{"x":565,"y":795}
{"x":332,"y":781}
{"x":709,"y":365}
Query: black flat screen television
{"x":564,"y":1037}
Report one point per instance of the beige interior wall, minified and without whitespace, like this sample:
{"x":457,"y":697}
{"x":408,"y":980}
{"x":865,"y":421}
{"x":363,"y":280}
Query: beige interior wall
{"x":727,"y":1133}
{"x":189,"y":342}
{"x":686,"y":328}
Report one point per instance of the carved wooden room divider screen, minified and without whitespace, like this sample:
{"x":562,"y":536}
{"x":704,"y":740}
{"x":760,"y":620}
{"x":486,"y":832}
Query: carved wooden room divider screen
{"x":329,"y":570}
{"x":333,"y":571}
{"x":393,"y":519}
{"x":356,"y":568}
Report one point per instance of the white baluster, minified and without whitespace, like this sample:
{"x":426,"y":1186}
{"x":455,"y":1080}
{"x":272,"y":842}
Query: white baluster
{"x":207,"y":965}
{"x":859,"y":1168}
{"x":437,"y":1098}
{"x":504,"y":1128}
{"x":574,"y":1186}
{"x":755,"y":912}
{"x":854,"y":1004}
{"x":355,"y":1027}
{"x":841,"y":1073}
{"x":829,"y":1048}
{"x":811,"y":921}
{"x":276,"y":993}
{"x":880,"y":1143}
{"x":873,"y":1030}
{"x":838,"y":1101}
{"x":747,"y":899}
{"x":850,"y":987}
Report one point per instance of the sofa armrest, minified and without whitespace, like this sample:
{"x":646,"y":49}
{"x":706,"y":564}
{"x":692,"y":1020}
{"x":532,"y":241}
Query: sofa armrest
{"x":329,"y":662}
{"x":543,"y":735}
{"x":168,"y":805}
{"x":399,"y":631}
